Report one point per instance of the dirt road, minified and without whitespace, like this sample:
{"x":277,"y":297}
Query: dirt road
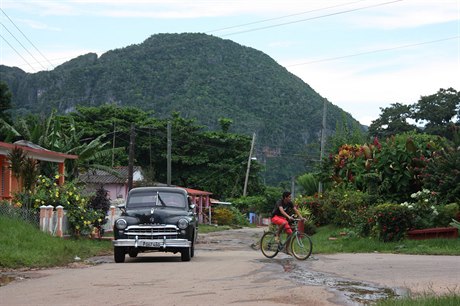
{"x":227,"y":270}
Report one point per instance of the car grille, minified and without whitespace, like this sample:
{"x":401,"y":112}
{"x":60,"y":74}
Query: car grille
{"x":152,"y":231}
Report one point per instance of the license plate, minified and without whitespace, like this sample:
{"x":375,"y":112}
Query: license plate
{"x":150,"y":244}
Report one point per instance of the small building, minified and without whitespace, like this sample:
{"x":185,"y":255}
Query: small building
{"x":202,"y":201}
{"x":9,"y":184}
{"x":115,"y":183}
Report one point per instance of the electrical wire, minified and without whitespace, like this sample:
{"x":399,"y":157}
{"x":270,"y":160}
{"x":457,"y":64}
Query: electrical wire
{"x":17,"y":52}
{"x":311,"y":18}
{"x":26,"y":37}
{"x":36,"y":60}
{"x":281,"y":17}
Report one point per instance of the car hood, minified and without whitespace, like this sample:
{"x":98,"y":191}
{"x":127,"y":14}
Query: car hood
{"x":161,"y":215}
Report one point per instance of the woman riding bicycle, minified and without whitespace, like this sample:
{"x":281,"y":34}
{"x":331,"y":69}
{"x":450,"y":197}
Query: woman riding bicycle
{"x":281,"y":214}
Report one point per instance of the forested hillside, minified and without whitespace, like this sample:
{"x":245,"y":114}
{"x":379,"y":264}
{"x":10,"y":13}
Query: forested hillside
{"x":201,"y":77}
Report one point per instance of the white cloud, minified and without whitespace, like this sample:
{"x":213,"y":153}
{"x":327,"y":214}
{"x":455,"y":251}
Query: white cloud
{"x":362,"y":94}
{"x":409,"y":14}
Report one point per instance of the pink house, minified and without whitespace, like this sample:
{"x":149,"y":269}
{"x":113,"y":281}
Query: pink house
{"x":8,"y":183}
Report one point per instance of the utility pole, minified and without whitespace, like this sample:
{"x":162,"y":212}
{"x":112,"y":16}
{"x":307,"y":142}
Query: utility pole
{"x":113,"y":145}
{"x":323,"y":141}
{"x":168,"y":158}
{"x":131,"y":158}
{"x":249,"y":164}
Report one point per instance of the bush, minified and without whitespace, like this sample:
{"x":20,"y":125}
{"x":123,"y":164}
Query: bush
{"x":316,"y":208}
{"x":100,"y":203}
{"x":442,"y":174}
{"x":47,"y":191}
{"x":446,"y":213}
{"x":424,"y":208}
{"x":229,"y":216}
{"x":345,"y":207}
{"x":390,"y":222}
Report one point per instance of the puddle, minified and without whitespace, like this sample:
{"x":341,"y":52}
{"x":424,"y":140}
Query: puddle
{"x":6,"y":279}
{"x":351,"y":291}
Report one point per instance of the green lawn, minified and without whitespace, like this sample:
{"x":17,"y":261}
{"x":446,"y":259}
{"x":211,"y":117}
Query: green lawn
{"x":329,"y":240}
{"x":23,"y":245}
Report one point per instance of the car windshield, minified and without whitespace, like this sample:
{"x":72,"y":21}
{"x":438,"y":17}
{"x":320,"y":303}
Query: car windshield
{"x":150,"y":199}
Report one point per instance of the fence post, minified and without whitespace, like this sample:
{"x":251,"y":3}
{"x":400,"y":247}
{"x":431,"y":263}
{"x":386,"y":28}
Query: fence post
{"x":60,"y":217}
{"x":49,"y":217}
{"x":43,"y":218}
{"x":112,"y":215}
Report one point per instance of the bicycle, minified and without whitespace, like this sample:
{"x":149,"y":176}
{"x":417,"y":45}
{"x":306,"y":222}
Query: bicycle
{"x":299,"y":244}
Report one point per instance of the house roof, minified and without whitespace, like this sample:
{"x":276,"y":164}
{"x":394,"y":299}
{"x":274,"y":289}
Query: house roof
{"x":35,"y":151}
{"x":196,"y":192}
{"x":103,"y":177}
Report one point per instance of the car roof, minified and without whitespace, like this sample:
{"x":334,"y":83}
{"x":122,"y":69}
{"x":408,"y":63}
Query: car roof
{"x":159,"y":189}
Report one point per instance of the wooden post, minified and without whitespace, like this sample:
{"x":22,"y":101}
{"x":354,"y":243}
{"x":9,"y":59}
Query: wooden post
{"x":61,"y":170}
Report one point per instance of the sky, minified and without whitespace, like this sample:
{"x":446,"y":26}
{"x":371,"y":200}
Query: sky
{"x":360,"y":55}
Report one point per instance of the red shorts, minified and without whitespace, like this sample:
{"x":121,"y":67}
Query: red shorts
{"x":278,"y":220}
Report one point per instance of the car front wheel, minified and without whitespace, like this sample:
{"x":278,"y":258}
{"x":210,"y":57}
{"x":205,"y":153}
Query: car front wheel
{"x":186,"y":254}
{"x":119,"y":254}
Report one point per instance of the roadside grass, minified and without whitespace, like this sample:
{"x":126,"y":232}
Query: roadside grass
{"x":452,"y":299}
{"x":328,"y":240}
{"x":205,"y":228}
{"x":23,"y":245}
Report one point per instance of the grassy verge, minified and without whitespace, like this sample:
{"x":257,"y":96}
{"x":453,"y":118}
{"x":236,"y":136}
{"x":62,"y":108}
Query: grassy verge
{"x":205,"y":228}
{"x":424,"y":300}
{"x":350,"y":243}
{"x":23,"y":245}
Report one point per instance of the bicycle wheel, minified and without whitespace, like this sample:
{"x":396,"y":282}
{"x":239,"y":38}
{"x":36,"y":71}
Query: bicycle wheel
{"x":268,"y":245}
{"x":301,"y":246}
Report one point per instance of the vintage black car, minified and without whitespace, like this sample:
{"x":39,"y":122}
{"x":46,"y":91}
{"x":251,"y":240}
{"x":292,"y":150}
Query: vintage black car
{"x":156,"y":219}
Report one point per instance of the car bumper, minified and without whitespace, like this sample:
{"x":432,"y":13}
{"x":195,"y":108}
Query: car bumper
{"x":153,"y":243}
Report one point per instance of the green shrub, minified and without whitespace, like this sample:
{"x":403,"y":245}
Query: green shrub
{"x":446,"y":213}
{"x":345,"y":207}
{"x":442,"y":174}
{"x":229,"y":216}
{"x":424,"y":208}
{"x":390,"y":222}
{"x":316,"y":208}
{"x":223,"y":216}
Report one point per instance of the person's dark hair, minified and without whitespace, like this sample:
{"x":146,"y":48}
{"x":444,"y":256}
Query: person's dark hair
{"x":286,"y":194}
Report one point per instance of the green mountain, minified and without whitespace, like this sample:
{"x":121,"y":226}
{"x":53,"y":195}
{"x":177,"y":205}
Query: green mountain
{"x":202,"y":77}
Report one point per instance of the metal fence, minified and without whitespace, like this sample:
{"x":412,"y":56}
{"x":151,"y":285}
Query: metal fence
{"x":31,"y":216}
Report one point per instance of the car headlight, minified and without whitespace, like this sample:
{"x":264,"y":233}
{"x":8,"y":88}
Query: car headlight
{"x":182,"y":223}
{"x":121,"y":224}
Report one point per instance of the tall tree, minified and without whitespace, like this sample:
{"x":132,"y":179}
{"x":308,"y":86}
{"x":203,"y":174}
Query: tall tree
{"x":438,"y":111}
{"x":392,"y":120}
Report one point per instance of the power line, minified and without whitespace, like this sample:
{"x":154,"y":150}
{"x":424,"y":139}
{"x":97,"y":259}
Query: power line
{"x":26,"y":37}
{"x":375,"y":51}
{"x":282,"y":17}
{"x":271,"y":26}
{"x":311,"y":18}
{"x":22,"y":46}
{"x":17,"y":52}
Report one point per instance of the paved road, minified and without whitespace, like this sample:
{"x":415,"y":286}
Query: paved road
{"x":226,"y":270}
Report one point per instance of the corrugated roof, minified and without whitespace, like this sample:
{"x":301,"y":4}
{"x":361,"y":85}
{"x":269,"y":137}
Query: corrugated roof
{"x":102,"y":177}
